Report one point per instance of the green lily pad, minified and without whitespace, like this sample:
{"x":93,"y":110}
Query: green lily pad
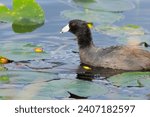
{"x":5,"y":97}
{"x":59,"y":89}
{"x":116,"y":31}
{"x":26,"y":15}
{"x":4,"y":79}
{"x":19,"y":27}
{"x":30,"y":45}
{"x":29,"y":77}
{"x":2,"y":68}
{"x":131,"y":79}
{"x":93,"y":16}
{"x":21,"y":51}
{"x":106,"y":5}
{"x":86,"y":88}
{"x":4,"y":13}
{"x":84,"y":1}
{"x":21,"y":84}
{"x":132,"y":26}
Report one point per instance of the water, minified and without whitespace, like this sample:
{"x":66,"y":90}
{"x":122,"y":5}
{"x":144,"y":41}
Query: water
{"x":57,"y":71}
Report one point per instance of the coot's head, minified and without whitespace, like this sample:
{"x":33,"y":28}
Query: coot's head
{"x":82,"y":30}
{"x":77,"y":27}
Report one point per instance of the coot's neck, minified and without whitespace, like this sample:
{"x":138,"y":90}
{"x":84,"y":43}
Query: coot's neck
{"x":84,"y":39}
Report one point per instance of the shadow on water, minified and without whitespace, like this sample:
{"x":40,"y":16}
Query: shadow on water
{"x":100,"y":73}
{"x":96,"y":73}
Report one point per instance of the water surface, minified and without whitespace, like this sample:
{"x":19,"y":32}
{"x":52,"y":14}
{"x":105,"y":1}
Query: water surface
{"x":56,"y":73}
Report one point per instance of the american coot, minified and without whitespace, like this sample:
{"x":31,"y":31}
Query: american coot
{"x":115,"y":57}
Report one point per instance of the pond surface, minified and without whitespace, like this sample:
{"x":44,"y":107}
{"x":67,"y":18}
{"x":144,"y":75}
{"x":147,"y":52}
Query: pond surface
{"x":56,"y":73}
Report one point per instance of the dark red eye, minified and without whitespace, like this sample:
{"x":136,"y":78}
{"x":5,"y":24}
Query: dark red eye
{"x":73,"y":24}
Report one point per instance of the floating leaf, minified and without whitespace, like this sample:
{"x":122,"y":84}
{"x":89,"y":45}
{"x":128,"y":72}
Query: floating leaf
{"x":2,"y":68}
{"x":116,"y":31}
{"x":21,"y":51}
{"x":4,"y":79}
{"x":4,"y":13}
{"x":5,"y":97}
{"x":84,"y":1}
{"x":132,"y":26}
{"x":30,"y":45}
{"x":93,"y":16}
{"x":16,"y":84}
{"x":25,"y":77}
{"x":140,"y":84}
{"x":22,"y":26}
{"x":59,"y":89}
{"x":106,"y":5}
{"x":26,"y":15}
{"x":131,"y":79}
{"x":86,"y":88}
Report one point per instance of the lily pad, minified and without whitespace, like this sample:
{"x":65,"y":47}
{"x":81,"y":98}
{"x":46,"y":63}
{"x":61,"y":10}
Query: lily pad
{"x":5,"y":97}
{"x":26,"y":14}
{"x":30,"y":45}
{"x":84,"y":1}
{"x":30,"y":26}
{"x":93,"y":16}
{"x":4,"y":79}
{"x":4,"y":13}
{"x":116,"y":31}
{"x":21,"y":51}
{"x":2,"y":68}
{"x":106,"y":5}
{"x":23,"y":85}
{"x":131,"y":79}
{"x":59,"y":89}
{"x":86,"y":88}
{"x":24,"y":78}
{"x":131,"y":26}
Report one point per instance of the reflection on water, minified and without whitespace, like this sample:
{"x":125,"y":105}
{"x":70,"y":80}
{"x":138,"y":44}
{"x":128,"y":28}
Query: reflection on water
{"x":57,"y":73}
{"x":96,"y":73}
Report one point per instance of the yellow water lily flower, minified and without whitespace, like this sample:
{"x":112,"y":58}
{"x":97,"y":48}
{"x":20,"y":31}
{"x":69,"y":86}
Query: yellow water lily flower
{"x":38,"y":50}
{"x":3,"y":60}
